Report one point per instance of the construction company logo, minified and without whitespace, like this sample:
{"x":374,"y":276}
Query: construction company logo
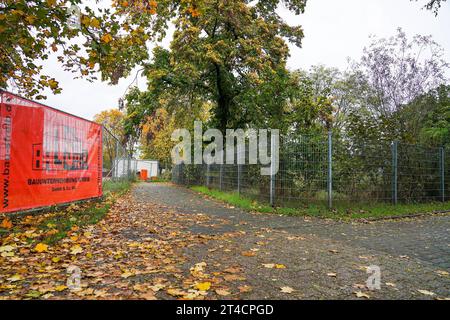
{"x":59,"y":161}
{"x":63,"y":147}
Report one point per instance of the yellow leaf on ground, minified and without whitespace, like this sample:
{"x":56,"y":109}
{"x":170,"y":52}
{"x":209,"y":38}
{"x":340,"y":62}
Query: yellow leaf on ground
{"x":127,"y":274}
{"x":47,"y":296}
{"x":390,"y":284}
{"x":359,"y":286}
{"x":203,"y":286}
{"x":426,"y":292}
{"x":361,"y":294}
{"x":140,"y":288}
{"x":60,"y":288}
{"x":76,"y":249}
{"x":176,"y":292}
{"x":148,"y":296}
{"x":198,"y":269}
{"x":287,"y":289}
{"x":223,"y":292}
{"x":244,"y":289}
{"x":192,"y":294}
{"x":6,"y":224}
{"x":6,"y":248}
{"x":41,"y":247}
{"x":332,"y":274}
{"x":7,"y":254}
{"x":233,"y":270}
{"x":157,"y":287}
{"x":274,"y":265}
{"x":87,"y":234}
{"x":14,"y":278}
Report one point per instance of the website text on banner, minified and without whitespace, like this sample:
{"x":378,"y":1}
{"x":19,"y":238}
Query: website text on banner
{"x":47,"y":157}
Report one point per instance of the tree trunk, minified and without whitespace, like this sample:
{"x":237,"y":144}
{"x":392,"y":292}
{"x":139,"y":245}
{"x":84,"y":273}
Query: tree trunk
{"x":223,"y":100}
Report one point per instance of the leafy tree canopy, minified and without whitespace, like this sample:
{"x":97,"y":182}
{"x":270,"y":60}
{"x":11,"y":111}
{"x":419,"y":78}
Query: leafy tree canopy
{"x":87,"y":40}
{"x":433,"y":5}
{"x":436,"y":129}
{"x":232,"y":36}
{"x":221,"y":50}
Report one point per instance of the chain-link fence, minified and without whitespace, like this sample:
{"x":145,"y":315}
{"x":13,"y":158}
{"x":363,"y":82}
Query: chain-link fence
{"x":445,"y":179}
{"x":329,"y":170}
{"x":117,"y":162}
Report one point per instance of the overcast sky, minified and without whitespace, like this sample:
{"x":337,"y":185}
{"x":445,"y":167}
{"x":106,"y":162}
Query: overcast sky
{"x":334,"y":30}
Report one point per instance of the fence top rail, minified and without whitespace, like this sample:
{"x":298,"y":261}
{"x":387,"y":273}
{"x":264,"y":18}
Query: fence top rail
{"x":4,"y":92}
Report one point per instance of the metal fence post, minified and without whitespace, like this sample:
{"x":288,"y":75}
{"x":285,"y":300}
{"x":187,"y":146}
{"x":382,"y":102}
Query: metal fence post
{"x":181,"y":179}
{"x":116,"y":160}
{"x":124,"y":168}
{"x":442,"y":172}
{"x":129,"y":167}
{"x":221,"y":176}
{"x":239,"y":169}
{"x":272,"y":171}
{"x":330,"y":170}
{"x":395,"y":172}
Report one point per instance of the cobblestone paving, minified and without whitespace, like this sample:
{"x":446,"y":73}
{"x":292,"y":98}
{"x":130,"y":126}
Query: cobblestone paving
{"x":324,"y":259}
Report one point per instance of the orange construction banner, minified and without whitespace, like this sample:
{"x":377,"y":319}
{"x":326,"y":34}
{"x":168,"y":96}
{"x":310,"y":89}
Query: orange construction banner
{"x":47,"y":156}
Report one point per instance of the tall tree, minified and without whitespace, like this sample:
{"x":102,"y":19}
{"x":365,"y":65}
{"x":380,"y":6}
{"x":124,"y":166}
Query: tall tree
{"x":345,"y":91}
{"x":221,"y":49}
{"x":310,"y":104}
{"x":399,"y":69}
{"x":113,"y":121}
{"x":436,"y":127}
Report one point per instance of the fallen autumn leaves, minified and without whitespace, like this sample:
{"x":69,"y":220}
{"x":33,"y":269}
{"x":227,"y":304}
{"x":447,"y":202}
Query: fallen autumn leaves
{"x":144,"y":250}
{"x":136,"y":252}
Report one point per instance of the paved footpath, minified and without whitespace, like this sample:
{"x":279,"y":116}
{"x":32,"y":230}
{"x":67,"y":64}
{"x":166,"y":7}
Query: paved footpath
{"x":317,"y":258}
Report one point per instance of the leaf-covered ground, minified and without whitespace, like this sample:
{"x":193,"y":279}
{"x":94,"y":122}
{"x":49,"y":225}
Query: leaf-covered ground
{"x":166,"y":242}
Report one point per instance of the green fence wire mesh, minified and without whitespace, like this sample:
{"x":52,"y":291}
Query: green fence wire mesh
{"x":331,"y":171}
{"x":117,"y":161}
